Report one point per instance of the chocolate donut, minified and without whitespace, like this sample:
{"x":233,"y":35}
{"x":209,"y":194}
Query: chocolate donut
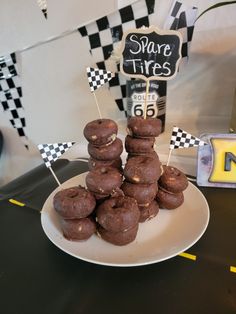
{"x":173,"y":180}
{"x":148,"y":212}
{"x":140,"y":127}
{"x":78,"y":229}
{"x":74,"y":202}
{"x":94,"y":163}
{"x":139,"y":145}
{"x":118,"y":238}
{"x":143,"y":193}
{"x":169,"y":200}
{"x":118,"y":214}
{"x":100,"y":131}
{"x":108,"y":152}
{"x":142,"y":170}
{"x":103,"y":180}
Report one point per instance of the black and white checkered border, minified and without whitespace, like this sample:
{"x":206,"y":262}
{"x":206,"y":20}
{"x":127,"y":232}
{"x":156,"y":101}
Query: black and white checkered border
{"x":182,"y":139}
{"x":51,"y":152}
{"x":8,"y":66}
{"x":182,"y":18}
{"x":98,"y":77}
{"x":105,"y":34}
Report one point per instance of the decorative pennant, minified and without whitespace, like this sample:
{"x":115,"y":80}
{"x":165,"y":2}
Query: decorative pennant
{"x":51,"y":152}
{"x":43,"y":6}
{"x":105,"y":34}
{"x":182,"y":139}
{"x":11,"y":93}
{"x":182,"y":18}
{"x":98,"y":77}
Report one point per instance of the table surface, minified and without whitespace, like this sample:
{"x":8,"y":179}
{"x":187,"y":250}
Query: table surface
{"x":37,"y":277}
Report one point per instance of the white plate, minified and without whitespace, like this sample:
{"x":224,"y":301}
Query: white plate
{"x":168,"y":234}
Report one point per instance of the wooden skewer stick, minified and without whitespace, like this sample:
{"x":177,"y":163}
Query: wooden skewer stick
{"x":54,"y":175}
{"x":96,"y":101}
{"x":168,"y":160}
{"x":146,"y":96}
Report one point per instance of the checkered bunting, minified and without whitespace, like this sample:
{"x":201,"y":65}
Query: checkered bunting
{"x":51,"y":152}
{"x":98,"y":77}
{"x":182,"y":18}
{"x":43,"y":6}
{"x":182,"y":139}
{"x":105,"y":34}
{"x":10,"y":95}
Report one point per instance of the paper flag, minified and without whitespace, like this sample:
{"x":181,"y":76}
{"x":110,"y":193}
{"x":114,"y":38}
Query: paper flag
{"x":51,"y":152}
{"x":182,"y":18}
{"x":104,"y":35}
{"x":43,"y":6}
{"x":98,"y":77}
{"x":11,"y":93}
{"x":182,"y":139}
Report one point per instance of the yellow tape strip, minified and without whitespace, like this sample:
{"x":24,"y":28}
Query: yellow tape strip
{"x":189,"y":256}
{"x":11,"y":200}
{"x":233,"y":269}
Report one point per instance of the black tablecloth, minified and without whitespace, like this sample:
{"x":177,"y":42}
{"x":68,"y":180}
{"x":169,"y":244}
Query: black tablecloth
{"x":37,"y":277}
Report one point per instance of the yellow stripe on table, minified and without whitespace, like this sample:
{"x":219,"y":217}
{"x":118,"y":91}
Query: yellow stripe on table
{"x":189,"y":256}
{"x":15,"y":202}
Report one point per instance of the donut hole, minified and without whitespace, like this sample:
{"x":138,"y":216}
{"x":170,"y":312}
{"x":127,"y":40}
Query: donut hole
{"x":72,"y":194}
{"x":99,"y":121}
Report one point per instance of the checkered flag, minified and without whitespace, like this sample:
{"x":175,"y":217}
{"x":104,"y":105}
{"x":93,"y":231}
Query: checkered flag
{"x":182,"y":18}
{"x":51,"y":152}
{"x":105,"y":34}
{"x":11,"y":94}
{"x":98,"y":77}
{"x":182,"y":139}
{"x":43,"y":6}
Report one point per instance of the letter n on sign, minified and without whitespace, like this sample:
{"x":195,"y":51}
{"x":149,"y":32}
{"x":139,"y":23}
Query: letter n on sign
{"x":217,"y":161}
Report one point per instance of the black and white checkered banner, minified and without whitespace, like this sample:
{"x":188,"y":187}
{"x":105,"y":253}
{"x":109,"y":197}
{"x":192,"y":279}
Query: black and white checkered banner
{"x":11,"y":94}
{"x":182,"y":18}
{"x":104,"y":36}
{"x":182,"y":139}
{"x":51,"y":152}
{"x":98,"y":77}
{"x":43,"y":6}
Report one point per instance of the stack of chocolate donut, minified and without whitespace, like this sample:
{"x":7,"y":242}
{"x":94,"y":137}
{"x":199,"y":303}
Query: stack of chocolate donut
{"x":105,"y":163}
{"x":74,"y":207}
{"x":143,"y":167}
{"x":171,"y":184}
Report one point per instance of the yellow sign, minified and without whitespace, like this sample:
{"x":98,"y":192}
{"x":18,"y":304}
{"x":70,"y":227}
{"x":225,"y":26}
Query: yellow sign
{"x":224,"y":161}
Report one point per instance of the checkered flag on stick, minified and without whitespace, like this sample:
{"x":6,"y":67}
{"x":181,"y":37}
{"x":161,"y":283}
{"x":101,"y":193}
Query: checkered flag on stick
{"x":98,"y":77}
{"x":104,"y":36}
{"x":182,"y":18}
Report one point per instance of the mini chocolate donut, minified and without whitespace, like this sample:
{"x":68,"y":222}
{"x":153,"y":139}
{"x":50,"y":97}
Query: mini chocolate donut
{"x":143,"y":193}
{"x":148,"y":212}
{"x":169,"y":200}
{"x":100,"y":131}
{"x":140,"y":127}
{"x":103,"y":180}
{"x":139,"y":145}
{"x":142,"y":170}
{"x":109,"y":152}
{"x":173,"y":180}
{"x":118,"y":238}
{"x":118,"y":214}
{"x":94,"y":163}
{"x":74,"y":202}
{"x":78,"y":229}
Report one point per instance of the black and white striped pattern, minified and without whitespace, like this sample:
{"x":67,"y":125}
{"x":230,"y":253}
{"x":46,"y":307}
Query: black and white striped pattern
{"x":11,"y":94}
{"x":43,"y":6}
{"x":105,"y":34}
{"x":182,"y":18}
{"x":182,"y":139}
{"x":51,"y":152}
{"x":98,"y":77}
